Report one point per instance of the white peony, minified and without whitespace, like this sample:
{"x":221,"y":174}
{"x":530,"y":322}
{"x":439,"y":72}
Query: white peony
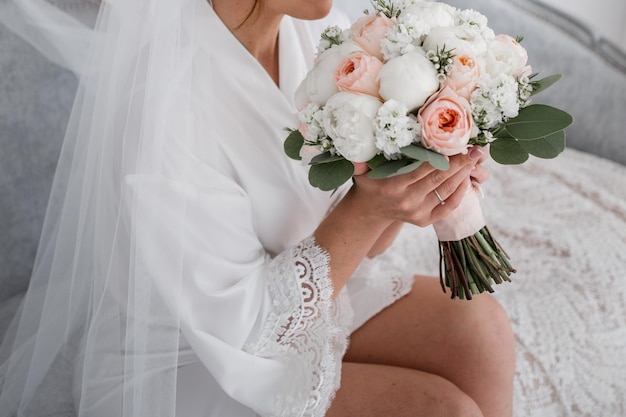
{"x":349,"y":121}
{"x":457,"y":39}
{"x":319,"y":83}
{"x":434,"y":14}
{"x":506,"y":55}
{"x":410,"y":79}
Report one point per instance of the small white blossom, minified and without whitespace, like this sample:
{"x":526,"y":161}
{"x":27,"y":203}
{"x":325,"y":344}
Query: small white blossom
{"x":525,"y":91}
{"x":331,"y":36}
{"x":404,"y":37}
{"x":312,"y":115}
{"x":495,"y":100}
{"x":475,"y":22}
{"x":403,"y":4}
{"x":394,"y":129}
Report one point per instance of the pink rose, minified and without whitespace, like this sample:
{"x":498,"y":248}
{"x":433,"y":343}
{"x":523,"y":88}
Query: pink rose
{"x":447,"y":124}
{"x":369,"y":30}
{"x":466,"y":71}
{"x":358,"y":73}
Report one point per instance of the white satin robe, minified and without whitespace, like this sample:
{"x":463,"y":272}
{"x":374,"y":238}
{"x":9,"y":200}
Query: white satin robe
{"x":261,"y":335}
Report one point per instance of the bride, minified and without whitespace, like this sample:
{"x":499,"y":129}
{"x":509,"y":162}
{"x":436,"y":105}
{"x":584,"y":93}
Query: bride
{"x":187,"y":268}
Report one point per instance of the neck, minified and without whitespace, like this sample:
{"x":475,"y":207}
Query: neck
{"x":258,"y":33}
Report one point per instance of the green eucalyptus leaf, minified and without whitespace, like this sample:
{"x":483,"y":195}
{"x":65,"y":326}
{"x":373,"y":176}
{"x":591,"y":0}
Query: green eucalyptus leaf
{"x":387,"y":169}
{"x":293,"y":144}
{"x":325,"y":158}
{"x":376,"y":161}
{"x":409,"y":168}
{"x":416,"y":152}
{"x":507,"y":151}
{"x":549,"y":147}
{"x":544,"y":83}
{"x":419,"y":153}
{"x":537,"y":121}
{"x":438,"y":161}
{"x":331,"y":175}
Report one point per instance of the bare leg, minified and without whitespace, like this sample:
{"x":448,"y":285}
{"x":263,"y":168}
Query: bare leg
{"x":369,"y":390}
{"x":463,"y":350}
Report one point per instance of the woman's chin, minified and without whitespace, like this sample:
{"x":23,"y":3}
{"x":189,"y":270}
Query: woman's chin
{"x":313,"y":10}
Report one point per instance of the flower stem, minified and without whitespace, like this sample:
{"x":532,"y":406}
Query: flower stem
{"x":471,"y":265}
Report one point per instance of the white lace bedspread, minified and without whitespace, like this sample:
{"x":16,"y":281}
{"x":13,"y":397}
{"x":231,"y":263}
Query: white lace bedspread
{"x":563,"y":222}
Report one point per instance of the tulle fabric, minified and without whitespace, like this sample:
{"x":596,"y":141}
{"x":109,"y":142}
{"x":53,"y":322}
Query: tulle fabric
{"x":176,"y":274}
{"x":92,"y":294}
{"x":59,"y":36}
{"x":107,"y":295}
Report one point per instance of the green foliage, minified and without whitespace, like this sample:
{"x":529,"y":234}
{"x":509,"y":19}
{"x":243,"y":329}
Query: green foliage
{"x":507,"y":151}
{"x":544,"y":83}
{"x":386,"y":7}
{"x":325,"y":158}
{"x":331,"y":175}
{"x":537,"y":121}
{"x":388,"y":169}
{"x":414,"y":156}
{"x":419,"y":153}
{"x":548,"y":147}
{"x":293,"y":144}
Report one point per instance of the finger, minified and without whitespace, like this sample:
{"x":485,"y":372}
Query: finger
{"x":485,"y":154}
{"x":448,"y":187}
{"x":360,"y":168}
{"x":452,"y":202}
{"x":416,"y":175}
{"x":479,"y":174}
{"x":459,"y":165}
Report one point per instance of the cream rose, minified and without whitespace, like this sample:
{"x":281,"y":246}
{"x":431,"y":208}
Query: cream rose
{"x":369,"y":30}
{"x":507,"y":56}
{"x":410,"y":79}
{"x":319,"y":84}
{"x":446,"y":123}
{"x":358,"y":73}
{"x":456,"y":38}
{"x":465,"y":74}
{"x":349,"y":121}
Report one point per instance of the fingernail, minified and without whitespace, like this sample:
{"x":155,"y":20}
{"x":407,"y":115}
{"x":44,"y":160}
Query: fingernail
{"x":476,"y":153}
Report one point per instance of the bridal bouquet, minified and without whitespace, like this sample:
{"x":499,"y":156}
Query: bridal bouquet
{"x":414,"y":82}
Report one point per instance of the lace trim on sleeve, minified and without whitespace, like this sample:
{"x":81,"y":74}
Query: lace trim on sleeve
{"x":306,"y":329}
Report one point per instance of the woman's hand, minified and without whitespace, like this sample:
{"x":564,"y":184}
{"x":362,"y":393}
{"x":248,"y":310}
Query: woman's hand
{"x":479,"y":173}
{"x":369,"y":217}
{"x":414,"y":197}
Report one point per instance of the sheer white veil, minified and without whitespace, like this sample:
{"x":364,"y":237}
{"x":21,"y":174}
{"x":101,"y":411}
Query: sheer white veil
{"x":93,"y":321}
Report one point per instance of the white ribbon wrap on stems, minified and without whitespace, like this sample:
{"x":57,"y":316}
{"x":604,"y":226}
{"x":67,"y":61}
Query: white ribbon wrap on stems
{"x":464,"y":221}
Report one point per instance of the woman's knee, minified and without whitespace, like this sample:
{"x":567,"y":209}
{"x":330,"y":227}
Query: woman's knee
{"x":492,"y":334}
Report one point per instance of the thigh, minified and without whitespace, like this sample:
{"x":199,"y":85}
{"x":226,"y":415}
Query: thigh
{"x":428,"y":331}
{"x":469,"y":343}
{"x":370,"y":390}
